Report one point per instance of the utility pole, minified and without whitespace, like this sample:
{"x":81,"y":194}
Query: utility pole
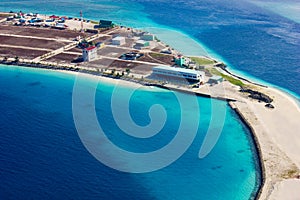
{"x":81,"y":21}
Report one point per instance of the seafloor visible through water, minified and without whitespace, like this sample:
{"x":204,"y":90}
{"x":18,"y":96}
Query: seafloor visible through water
{"x":42,"y":155}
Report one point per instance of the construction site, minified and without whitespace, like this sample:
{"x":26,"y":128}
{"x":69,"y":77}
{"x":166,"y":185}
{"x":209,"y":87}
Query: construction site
{"x":77,"y":44}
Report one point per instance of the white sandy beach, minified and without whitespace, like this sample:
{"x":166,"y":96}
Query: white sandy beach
{"x":278,"y":135}
{"x":287,"y":190}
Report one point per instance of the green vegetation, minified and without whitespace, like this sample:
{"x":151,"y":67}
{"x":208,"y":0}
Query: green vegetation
{"x":113,"y":71}
{"x":16,"y":59}
{"x":290,"y":173}
{"x":202,"y":61}
{"x":94,"y":22}
{"x":5,"y":14}
{"x":156,"y":55}
{"x":231,"y":79}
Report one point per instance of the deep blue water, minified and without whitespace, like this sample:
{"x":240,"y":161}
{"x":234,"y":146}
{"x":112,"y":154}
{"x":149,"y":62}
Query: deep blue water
{"x":255,"y":41}
{"x":42,"y":157}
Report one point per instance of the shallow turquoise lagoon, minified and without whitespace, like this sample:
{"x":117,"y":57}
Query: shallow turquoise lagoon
{"x":42,"y":155}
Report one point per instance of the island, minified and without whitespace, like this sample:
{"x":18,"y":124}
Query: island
{"x":102,"y":48}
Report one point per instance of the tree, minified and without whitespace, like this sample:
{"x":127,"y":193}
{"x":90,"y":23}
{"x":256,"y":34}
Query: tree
{"x":16,"y":59}
{"x":127,"y":71}
{"x":113,"y":71}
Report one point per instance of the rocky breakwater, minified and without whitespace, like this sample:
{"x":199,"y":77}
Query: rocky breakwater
{"x":258,"y":96}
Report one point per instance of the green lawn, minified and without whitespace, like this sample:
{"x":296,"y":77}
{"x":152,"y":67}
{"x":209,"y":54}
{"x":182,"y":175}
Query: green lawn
{"x":202,"y":61}
{"x":231,"y":79}
{"x":156,"y":55}
{"x":94,"y":22}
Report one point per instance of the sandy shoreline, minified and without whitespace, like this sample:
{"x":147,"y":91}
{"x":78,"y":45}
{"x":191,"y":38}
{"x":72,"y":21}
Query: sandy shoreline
{"x":275,"y":132}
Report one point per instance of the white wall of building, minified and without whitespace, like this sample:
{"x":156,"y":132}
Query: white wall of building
{"x":118,"y":40}
{"x":89,"y":55}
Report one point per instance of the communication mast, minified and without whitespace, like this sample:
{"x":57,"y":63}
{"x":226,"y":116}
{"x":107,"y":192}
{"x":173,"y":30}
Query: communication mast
{"x":81,"y":19}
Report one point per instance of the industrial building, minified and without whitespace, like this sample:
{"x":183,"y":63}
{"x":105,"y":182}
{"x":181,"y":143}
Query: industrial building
{"x":179,"y":73}
{"x":182,"y":61}
{"x":142,"y":44}
{"x":215,"y":79}
{"x":118,"y":40}
{"x":105,"y":24}
{"x":148,"y":37}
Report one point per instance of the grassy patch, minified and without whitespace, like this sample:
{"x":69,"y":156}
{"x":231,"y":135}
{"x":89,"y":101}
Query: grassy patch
{"x":290,"y":173}
{"x":231,"y":79}
{"x":4,"y":15}
{"x":202,"y":61}
{"x":94,"y":22}
{"x":156,"y":55}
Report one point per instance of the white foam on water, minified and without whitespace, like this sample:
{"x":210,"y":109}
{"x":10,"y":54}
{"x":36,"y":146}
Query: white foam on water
{"x":290,"y":10}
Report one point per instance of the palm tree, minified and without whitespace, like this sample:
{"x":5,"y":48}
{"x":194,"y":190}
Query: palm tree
{"x":16,"y":59}
{"x":127,"y":71}
{"x":113,"y":71}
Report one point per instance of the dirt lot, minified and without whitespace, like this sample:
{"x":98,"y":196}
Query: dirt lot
{"x":105,"y":39}
{"x":142,"y":69}
{"x":21,"y":53}
{"x":28,"y":42}
{"x":111,"y":52}
{"x":164,"y":59}
{"x":77,"y":50}
{"x":120,"y":65}
{"x":101,"y":63}
{"x":63,"y":58}
{"x":41,"y":32}
{"x":123,"y":65}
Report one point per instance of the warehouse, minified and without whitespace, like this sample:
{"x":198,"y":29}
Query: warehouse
{"x":179,"y":73}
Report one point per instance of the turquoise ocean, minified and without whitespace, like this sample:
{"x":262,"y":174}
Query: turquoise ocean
{"x":42,"y":156}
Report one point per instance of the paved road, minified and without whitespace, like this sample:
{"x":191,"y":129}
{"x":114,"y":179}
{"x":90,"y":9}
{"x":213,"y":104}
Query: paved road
{"x":24,"y":47}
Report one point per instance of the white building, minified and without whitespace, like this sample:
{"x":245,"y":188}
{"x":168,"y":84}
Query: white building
{"x":215,"y":79}
{"x":142,"y":44}
{"x":89,"y":54}
{"x":179,"y":73}
{"x":148,"y":37}
{"x":118,"y":40}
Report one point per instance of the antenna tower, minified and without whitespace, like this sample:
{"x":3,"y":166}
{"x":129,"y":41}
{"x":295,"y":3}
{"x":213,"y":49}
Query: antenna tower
{"x":81,"y":21}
